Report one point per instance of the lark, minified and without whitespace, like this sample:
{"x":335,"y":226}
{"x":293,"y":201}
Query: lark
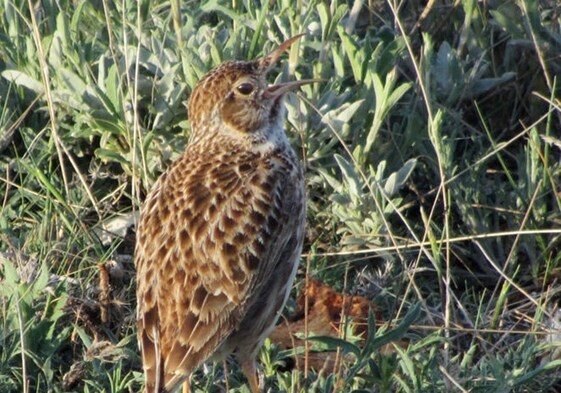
{"x":221,"y":232}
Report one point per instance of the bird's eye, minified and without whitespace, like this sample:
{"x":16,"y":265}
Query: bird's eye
{"x":245,"y":88}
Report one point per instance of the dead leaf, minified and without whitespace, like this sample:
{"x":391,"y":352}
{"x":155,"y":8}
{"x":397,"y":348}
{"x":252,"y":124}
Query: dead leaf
{"x":326,"y":313}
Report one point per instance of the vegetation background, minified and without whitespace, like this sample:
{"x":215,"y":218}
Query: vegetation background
{"x":433,"y":168}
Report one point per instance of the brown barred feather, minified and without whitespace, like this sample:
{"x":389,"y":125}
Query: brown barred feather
{"x":221,"y":232}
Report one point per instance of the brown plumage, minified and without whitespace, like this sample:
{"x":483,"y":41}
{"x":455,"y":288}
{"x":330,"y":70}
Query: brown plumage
{"x":221,"y":232}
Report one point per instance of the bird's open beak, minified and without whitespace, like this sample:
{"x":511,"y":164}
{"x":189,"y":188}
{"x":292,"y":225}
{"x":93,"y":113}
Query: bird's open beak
{"x":268,"y":62}
{"x":275,"y":91}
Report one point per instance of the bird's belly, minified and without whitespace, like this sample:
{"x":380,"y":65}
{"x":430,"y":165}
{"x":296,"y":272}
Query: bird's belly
{"x":262,"y":315}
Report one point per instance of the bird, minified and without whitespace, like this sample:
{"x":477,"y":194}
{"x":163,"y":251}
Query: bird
{"x":220,"y":233}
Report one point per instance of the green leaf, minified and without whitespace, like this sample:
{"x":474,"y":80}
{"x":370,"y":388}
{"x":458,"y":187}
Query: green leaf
{"x":107,"y":155}
{"x":396,"y":180}
{"x":111,"y":87}
{"x":342,"y":115}
{"x":11,"y":276}
{"x":507,"y":17}
{"x":484,"y":85}
{"x":73,"y":82}
{"x":42,"y":279}
{"x":350,"y":176}
{"x":353,"y":54}
{"x":553,"y":365}
{"x":22,"y":79}
{"x":397,"y":333}
{"x":213,"y":6}
{"x":386,"y":98}
{"x":442,"y":66}
{"x":333,"y":343}
{"x":323,"y":13}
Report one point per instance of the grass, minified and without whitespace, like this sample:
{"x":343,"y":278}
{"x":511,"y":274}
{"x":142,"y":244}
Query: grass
{"x":433,"y":172}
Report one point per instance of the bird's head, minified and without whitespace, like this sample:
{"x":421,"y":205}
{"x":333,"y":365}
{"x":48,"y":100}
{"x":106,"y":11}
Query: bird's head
{"x":236,"y":96}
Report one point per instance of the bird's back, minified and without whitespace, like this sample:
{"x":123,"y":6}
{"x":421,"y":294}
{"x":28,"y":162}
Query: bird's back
{"x":217,"y":247}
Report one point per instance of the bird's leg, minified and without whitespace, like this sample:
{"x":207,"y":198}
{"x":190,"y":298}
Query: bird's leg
{"x":250,"y":372}
{"x":225,"y":364}
{"x":187,"y":386}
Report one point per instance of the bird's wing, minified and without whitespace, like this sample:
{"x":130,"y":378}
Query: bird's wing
{"x":205,"y":241}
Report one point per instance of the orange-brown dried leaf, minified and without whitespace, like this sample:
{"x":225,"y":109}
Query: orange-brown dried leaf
{"x":322,"y":298}
{"x":327,"y":309}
